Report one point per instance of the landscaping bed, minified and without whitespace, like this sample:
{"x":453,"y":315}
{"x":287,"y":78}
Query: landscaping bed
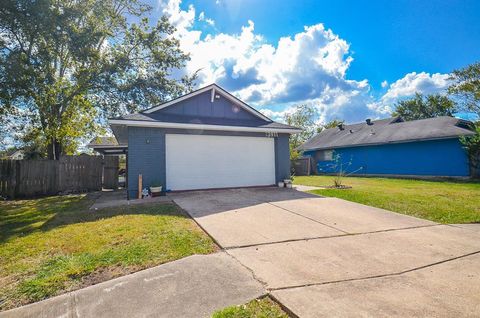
{"x":440,"y":201}
{"x":52,"y":245}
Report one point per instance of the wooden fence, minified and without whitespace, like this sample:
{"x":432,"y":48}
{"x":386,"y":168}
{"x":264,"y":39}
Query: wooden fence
{"x":301,"y":166}
{"x":26,"y":178}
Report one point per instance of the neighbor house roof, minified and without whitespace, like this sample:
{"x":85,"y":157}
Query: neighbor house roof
{"x":107,"y":145}
{"x":103,"y":141}
{"x":390,"y":130}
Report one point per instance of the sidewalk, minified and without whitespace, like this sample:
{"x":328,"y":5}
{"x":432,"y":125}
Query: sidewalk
{"x":194,"y":286}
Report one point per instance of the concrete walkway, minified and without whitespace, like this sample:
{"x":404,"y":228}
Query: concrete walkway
{"x":194,"y":286}
{"x":330,"y":257}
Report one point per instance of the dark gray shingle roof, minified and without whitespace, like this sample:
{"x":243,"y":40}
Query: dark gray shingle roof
{"x":103,"y":141}
{"x":390,"y":130}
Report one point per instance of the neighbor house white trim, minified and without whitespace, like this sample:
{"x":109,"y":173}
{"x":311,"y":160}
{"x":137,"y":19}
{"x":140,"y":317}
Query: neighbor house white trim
{"x":154,"y":124}
{"x":215,"y":89}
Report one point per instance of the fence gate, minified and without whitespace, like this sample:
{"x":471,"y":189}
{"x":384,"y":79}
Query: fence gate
{"x":110,"y":172}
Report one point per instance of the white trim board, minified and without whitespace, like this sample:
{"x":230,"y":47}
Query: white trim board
{"x":215,"y":89}
{"x":155,"y":124}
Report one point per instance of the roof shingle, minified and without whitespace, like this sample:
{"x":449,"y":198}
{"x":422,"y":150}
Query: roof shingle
{"x":390,"y":130}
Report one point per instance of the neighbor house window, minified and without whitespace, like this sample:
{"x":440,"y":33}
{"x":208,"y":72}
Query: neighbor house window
{"x":324,"y":155}
{"x":328,"y":155}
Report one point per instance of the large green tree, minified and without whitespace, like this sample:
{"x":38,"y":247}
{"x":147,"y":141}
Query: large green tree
{"x":466,"y":87}
{"x":421,"y":107}
{"x":66,"y":63}
{"x":303,"y":117}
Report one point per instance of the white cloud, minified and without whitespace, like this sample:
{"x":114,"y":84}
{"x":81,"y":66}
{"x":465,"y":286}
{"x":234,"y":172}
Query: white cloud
{"x":210,"y":21}
{"x":308,"y":67}
{"x":407,"y":86}
{"x":201,"y":17}
{"x":417,"y":82}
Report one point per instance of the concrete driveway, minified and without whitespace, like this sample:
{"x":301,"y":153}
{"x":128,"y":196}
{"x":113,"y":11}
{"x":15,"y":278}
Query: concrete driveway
{"x":326,"y":256}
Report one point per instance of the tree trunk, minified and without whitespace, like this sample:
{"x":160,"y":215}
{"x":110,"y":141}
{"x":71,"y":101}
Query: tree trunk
{"x":54,"y":150}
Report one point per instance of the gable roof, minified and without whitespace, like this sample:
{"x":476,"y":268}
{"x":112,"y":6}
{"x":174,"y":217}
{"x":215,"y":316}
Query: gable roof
{"x":164,"y":119}
{"x":390,"y":130}
{"x":214,"y":88}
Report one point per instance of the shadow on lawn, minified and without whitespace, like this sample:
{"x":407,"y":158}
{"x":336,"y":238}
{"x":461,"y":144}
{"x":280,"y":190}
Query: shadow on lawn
{"x":22,"y":217}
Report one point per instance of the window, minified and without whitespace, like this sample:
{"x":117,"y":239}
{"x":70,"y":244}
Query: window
{"x":328,"y":155}
{"x":324,"y":155}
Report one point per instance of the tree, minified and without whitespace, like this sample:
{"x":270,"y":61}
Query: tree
{"x":466,"y":86}
{"x":303,"y":117}
{"x":63,"y":63}
{"x":331,"y":124}
{"x":421,"y":107}
{"x":472,"y":147}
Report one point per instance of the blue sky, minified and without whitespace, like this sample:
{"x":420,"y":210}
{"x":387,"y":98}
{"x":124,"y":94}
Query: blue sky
{"x":351,"y":59}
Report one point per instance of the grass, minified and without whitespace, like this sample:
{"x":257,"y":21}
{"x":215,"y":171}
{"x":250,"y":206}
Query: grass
{"x":439,"y":201}
{"x":257,"y":308}
{"x":52,"y":245}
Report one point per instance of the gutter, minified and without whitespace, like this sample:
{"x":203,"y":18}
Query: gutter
{"x":138,"y":123}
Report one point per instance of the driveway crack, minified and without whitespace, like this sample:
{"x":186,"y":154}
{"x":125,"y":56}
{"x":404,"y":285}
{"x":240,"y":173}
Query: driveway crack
{"x":306,"y":217}
{"x":376,"y":276}
{"x":265,"y":285}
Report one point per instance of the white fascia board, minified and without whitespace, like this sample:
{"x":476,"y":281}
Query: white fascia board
{"x":215,"y":89}
{"x":138,"y":123}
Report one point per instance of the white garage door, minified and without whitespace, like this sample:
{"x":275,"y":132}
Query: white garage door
{"x":202,"y":162}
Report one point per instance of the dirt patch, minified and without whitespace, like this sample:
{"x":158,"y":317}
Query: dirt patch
{"x":107,"y":273}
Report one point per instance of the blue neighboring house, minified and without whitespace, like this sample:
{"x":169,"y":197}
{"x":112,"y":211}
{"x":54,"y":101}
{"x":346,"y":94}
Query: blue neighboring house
{"x":393,"y":146}
{"x":203,"y":140}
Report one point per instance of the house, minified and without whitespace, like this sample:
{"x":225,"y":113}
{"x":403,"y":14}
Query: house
{"x":427,"y":147}
{"x":203,"y":140}
{"x":15,"y":154}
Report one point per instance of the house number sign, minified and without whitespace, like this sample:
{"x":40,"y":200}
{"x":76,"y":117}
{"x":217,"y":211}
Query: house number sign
{"x":271,"y":134}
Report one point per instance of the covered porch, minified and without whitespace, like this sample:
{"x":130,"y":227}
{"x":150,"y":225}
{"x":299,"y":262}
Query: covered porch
{"x":115,"y":161}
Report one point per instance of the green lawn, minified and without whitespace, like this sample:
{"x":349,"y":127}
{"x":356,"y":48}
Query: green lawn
{"x":439,"y":201}
{"x":52,"y":245}
{"x":257,"y":308}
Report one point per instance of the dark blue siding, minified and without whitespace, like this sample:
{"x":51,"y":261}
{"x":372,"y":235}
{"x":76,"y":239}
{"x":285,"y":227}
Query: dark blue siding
{"x":201,"y":106}
{"x":424,"y":158}
{"x":282,"y":157}
{"x":146,"y":154}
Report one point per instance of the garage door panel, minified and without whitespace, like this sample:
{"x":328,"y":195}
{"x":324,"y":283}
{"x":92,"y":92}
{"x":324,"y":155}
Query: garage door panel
{"x":204,"y":161}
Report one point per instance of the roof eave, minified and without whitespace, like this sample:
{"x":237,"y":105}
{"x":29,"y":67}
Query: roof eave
{"x":384,"y":143}
{"x":157,"y":124}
